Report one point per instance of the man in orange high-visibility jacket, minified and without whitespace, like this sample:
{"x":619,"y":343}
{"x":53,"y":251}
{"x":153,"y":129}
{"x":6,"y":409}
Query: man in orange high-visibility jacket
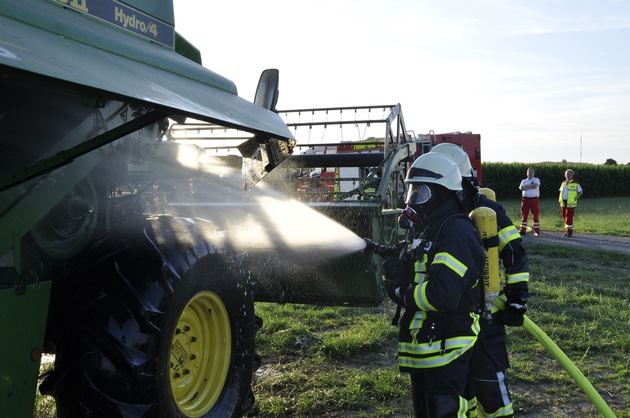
{"x":570,"y":192}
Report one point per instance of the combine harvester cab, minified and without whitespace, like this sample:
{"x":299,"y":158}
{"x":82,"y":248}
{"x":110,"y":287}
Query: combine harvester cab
{"x":147,"y":314}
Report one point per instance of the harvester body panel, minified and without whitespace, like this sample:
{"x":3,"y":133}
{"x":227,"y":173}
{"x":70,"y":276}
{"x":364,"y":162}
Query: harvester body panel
{"x":87,"y":91}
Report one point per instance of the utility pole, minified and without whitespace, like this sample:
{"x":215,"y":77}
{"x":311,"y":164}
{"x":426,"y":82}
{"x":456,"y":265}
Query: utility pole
{"x":580,"y":148}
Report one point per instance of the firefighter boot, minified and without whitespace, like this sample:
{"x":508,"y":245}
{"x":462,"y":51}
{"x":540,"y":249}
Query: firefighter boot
{"x":446,"y":406}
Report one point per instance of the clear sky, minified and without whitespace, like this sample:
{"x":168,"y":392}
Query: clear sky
{"x":540,"y":80}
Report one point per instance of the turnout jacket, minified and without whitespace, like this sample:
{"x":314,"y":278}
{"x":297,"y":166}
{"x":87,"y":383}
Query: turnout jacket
{"x":440,"y":322}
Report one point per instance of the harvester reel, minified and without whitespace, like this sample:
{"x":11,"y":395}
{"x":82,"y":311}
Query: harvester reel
{"x":70,"y":225}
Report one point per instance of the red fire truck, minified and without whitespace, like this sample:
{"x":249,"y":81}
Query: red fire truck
{"x":470,"y":142}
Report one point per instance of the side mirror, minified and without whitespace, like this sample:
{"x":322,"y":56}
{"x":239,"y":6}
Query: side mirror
{"x":262,"y":154}
{"x":267,"y":90}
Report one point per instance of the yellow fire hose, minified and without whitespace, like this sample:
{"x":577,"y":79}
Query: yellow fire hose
{"x":568,"y":365}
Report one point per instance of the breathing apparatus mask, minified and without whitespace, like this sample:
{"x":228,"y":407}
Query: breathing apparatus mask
{"x":422,"y":200}
{"x":418,"y":194}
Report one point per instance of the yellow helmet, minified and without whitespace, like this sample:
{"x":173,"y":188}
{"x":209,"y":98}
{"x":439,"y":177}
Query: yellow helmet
{"x":456,"y":154}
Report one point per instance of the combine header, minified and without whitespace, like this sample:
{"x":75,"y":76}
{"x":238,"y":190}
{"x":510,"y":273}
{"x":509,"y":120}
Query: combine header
{"x":348,"y":163}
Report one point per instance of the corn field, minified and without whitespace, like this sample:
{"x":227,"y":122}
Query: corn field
{"x":596,"y":180}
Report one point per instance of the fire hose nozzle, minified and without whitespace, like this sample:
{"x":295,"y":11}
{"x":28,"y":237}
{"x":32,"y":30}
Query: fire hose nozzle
{"x":384,"y":250}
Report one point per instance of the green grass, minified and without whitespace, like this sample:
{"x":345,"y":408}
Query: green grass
{"x":580,"y":299}
{"x":327,"y":361}
{"x":317,"y":360}
{"x":605,"y":216}
{"x":340,"y":361}
{"x":334,"y":361}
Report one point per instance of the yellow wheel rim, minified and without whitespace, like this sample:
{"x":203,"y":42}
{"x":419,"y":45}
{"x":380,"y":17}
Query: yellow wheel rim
{"x":200,"y":354}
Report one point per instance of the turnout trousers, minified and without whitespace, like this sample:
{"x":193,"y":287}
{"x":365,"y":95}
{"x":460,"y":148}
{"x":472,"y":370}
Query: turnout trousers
{"x":439,"y":392}
{"x":487,"y":392}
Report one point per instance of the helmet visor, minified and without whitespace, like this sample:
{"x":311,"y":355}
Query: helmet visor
{"x":418,"y":194}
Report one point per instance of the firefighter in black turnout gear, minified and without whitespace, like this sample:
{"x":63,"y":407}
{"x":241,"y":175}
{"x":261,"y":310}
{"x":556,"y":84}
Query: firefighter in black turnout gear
{"x":488,"y":393}
{"x":435,"y":279}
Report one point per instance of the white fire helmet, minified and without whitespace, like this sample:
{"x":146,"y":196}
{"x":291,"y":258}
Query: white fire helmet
{"x":456,"y":154}
{"x":437,"y":169}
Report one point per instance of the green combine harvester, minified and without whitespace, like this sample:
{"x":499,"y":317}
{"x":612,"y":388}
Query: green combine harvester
{"x":145,"y":207}
{"x":110,"y":257}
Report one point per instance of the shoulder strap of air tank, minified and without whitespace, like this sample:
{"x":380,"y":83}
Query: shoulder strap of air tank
{"x":480,"y":294}
{"x":444,"y":223}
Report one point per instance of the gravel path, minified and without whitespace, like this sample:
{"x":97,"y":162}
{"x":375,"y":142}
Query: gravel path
{"x":587,"y":241}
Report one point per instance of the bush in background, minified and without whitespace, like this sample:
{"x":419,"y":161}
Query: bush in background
{"x":597,"y":180}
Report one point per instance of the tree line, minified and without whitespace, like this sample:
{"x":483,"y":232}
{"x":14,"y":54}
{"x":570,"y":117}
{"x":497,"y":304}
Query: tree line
{"x":604,"y":180}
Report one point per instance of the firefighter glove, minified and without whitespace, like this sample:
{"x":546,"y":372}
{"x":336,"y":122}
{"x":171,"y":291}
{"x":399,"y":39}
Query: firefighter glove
{"x":383,"y":250}
{"x":513,"y":315}
{"x":394,"y":269}
{"x":370,"y":246}
{"x":393,"y":289}
{"x":394,"y":279}
{"x":517,"y":293}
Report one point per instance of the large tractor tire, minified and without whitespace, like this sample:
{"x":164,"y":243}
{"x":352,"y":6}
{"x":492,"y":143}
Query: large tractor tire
{"x":164,"y":326}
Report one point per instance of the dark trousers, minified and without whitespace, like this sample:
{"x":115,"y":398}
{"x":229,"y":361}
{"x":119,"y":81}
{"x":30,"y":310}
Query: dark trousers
{"x":487,"y":382}
{"x":439,"y":392}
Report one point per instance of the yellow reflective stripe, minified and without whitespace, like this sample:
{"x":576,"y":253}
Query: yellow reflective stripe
{"x":463,"y":408}
{"x":418,"y":319}
{"x":421,"y":269}
{"x":452,"y":345}
{"x":506,"y":235}
{"x":420,"y":276}
{"x":471,"y":407}
{"x":420,"y":297}
{"x":451,"y":262}
{"x":426,"y":356}
{"x":454,"y":348}
{"x":476,"y":326}
{"x":419,"y":294}
{"x":517,"y":278}
{"x":506,"y":411}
